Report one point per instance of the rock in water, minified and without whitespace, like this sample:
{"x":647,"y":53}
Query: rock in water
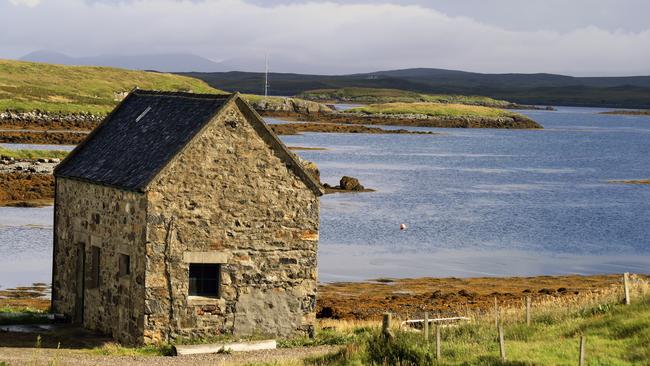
{"x":350,"y":184}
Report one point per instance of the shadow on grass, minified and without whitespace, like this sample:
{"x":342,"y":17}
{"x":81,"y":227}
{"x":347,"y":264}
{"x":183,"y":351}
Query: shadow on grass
{"x":64,"y":336}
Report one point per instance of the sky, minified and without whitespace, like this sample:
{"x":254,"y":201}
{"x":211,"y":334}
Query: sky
{"x":573,"y":37}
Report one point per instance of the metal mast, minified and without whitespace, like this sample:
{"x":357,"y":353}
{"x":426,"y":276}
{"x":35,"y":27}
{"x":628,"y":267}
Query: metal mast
{"x":266,"y":77}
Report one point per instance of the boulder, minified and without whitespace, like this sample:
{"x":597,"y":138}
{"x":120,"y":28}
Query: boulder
{"x":350,"y":184}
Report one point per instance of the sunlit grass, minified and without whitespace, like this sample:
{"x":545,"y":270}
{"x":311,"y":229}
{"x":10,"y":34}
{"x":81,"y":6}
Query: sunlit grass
{"x":29,"y":86}
{"x":381,"y":95}
{"x":434,"y":110}
{"x":32,"y":154}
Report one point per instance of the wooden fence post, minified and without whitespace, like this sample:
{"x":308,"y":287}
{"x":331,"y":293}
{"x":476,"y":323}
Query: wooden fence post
{"x":426,"y":327}
{"x":582,"y":350}
{"x":626,"y":287}
{"x":502,"y":346}
{"x":438,"y":355}
{"x":528,"y":310}
{"x":496,"y":312}
{"x":385,"y":326}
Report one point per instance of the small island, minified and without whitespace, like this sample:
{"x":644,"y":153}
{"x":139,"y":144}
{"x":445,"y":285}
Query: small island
{"x":429,"y":114}
{"x":356,"y":95}
{"x":625,"y":112}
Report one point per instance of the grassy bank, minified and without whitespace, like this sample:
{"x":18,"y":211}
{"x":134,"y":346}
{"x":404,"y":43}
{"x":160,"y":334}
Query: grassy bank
{"x":434,"y":110}
{"x":32,"y":154}
{"x":29,"y":86}
{"x":379,"y":95}
{"x":615,"y":335}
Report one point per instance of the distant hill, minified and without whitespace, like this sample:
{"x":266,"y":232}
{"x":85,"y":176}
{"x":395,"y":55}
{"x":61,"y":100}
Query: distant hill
{"x":28,"y":86}
{"x":164,"y":62}
{"x":541,"y":89}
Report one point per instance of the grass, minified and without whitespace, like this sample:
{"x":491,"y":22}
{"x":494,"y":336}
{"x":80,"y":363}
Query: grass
{"x":114,"y":349}
{"x":434,"y":110}
{"x":58,"y":89}
{"x":22,"y":315}
{"x":616,"y":335}
{"x":29,"y":86}
{"x":379,"y":95}
{"x":32,"y":154}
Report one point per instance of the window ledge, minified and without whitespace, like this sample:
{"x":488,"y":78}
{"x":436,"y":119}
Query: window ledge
{"x":204,"y":300}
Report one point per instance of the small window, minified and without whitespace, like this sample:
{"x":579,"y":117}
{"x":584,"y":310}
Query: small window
{"x":205,"y":279}
{"x":94,"y":269}
{"x":125,"y":265}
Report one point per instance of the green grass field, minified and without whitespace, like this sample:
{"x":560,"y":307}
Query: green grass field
{"x":29,"y":86}
{"x":378,"y":95}
{"x":32,"y":154}
{"x":434,"y":109}
{"x":615,"y":335}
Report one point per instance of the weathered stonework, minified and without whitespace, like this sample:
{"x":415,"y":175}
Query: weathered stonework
{"x":114,"y":220}
{"x":228,"y":197}
{"x":229,"y":193}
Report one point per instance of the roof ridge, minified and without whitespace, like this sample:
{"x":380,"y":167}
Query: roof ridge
{"x":181,"y":94}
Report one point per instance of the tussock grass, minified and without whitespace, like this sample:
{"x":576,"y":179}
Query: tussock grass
{"x":30,"y":86}
{"x":33,"y":154}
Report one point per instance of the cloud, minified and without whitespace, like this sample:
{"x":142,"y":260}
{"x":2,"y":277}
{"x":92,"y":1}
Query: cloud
{"x":318,"y":37}
{"x":28,"y":3}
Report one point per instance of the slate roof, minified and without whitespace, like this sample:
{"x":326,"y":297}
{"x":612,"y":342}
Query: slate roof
{"x":144,"y":132}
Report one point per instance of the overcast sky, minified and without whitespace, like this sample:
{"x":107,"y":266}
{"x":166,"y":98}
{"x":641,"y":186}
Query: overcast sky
{"x":577,"y":37}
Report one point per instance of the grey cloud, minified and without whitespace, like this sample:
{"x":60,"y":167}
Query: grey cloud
{"x":328,"y":37}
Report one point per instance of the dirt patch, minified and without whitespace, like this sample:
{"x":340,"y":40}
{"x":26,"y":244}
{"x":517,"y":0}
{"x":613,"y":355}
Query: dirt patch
{"x":26,"y":189}
{"x":446,"y":296}
{"x":296,"y":128}
{"x":45,"y":137}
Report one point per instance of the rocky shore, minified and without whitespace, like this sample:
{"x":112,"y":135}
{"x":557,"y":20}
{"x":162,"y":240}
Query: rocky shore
{"x":645,"y":112}
{"x":407,"y":297}
{"x":443,"y":297}
{"x":422,"y":120}
{"x":26,"y":183}
{"x":297,"y":128}
{"x":43,"y":137}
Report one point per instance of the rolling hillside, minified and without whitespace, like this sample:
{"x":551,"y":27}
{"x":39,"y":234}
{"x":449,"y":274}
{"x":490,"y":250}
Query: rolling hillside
{"x":29,"y":86}
{"x":544,"y":89}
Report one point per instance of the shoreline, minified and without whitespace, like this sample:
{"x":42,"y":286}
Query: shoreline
{"x":415,"y":120}
{"x":452,"y":296}
{"x":369,"y":299}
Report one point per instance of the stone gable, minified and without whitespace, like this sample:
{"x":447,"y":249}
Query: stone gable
{"x":229,"y":193}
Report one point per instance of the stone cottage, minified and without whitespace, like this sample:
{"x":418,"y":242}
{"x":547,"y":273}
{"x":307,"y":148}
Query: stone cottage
{"x":183,"y":215}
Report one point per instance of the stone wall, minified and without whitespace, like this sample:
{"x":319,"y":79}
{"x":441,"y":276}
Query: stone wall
{"x":114,"y":221}
{"x":229,"y":195}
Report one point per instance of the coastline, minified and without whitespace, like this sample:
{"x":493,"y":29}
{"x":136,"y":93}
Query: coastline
{"x":368,"y":300}
{"x":451,"y":296}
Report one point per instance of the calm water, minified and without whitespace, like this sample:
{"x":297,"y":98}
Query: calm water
{"x":476,"y":202}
